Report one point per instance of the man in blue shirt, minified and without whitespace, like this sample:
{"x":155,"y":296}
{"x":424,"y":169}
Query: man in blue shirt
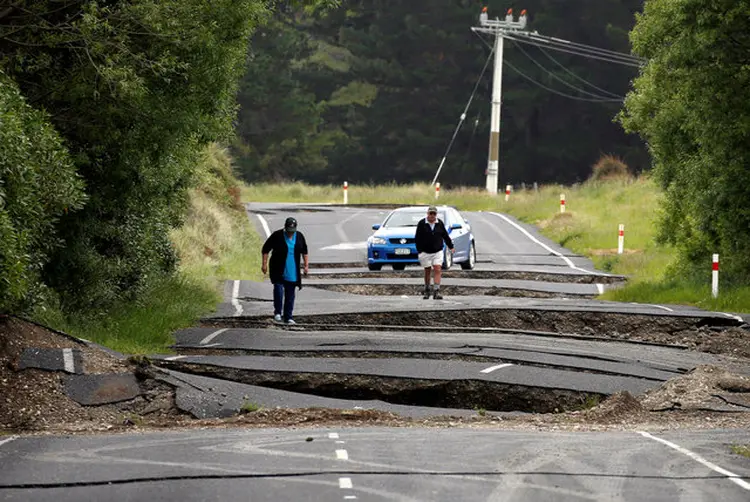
{"x":286,"y":247}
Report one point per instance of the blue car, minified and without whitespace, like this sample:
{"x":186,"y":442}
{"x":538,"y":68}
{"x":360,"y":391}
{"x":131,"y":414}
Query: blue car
{"x":393,"y":240}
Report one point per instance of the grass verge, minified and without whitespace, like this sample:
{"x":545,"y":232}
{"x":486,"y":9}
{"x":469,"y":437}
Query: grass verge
{"x":215,"y":243}
{"x":588,"y":227}
{"x":743,"y":450}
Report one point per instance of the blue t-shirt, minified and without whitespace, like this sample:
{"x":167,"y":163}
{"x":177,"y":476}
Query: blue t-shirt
{"x":290,"y":269}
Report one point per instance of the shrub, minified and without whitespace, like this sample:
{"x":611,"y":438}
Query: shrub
{"x":609,"y":167}
{"x":38,"y":186}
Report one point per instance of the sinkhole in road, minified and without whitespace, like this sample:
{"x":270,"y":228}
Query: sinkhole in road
{"x":412,"y":290}
{"x":453,"y":394}
{"x":563,"y":277}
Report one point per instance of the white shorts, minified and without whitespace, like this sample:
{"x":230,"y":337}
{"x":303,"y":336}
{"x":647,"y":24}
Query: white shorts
{"x":428,"y":260}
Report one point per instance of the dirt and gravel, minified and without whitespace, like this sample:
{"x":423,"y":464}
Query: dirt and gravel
{"x":34,"y":401}
{"x":485,"y":275}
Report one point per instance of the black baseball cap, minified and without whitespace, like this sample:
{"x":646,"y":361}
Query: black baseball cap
{"x":290,"y":225}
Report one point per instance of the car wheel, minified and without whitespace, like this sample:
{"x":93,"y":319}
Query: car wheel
{"x":399,"y":266}
{"x":374,"y":266}
{"x":448,"y":260}
{"x":472,"y":261}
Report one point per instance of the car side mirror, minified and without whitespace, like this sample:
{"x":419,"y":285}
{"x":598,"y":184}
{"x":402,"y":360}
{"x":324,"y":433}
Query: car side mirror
{"x":376,"y":226}
{"x":456,"y":226}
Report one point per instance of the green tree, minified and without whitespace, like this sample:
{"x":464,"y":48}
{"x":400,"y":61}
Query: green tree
{"x":38,"y":186}
{"x":136,"y":89}
{"x":691,"y":104}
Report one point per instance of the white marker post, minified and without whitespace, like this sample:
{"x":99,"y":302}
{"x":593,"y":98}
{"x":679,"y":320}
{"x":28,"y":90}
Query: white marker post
{"x":621,"y":239}
{"x":507,"y":192}
{"x":437,"y":190}
{"x":715,"y":277}
{"x":346,"y":192}
{"x":562,"y":202}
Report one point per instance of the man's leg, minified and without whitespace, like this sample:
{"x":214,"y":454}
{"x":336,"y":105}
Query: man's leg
{"x":278,"y":297}
{"x":438,"y":276}
{"x":426,"y":283}
{"x":290,"y":291}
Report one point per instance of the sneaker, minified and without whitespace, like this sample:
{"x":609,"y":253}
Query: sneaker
{"x":277,"y":318}
{"x":426,"y":293}
{"x":437,"y":295}
{"x":290,"y":321}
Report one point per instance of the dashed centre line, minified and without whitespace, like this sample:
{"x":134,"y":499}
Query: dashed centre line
{"x":497,"y":367}
{"x":345,"y":483}
{"x":342,"y":455}
{"x":212,"y":336}
{"x":333,"y":435}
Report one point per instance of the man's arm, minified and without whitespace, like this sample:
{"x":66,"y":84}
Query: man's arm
{"x":267,"y":247}
{"x":264,"y":266}
{"x":306,"y":258}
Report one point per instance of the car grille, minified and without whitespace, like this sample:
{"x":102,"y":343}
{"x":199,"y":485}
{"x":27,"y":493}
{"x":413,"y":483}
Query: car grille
{"x":397,"y":240}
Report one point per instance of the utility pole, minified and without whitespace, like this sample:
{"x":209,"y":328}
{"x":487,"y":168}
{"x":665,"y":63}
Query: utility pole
{"x":498,"y":29}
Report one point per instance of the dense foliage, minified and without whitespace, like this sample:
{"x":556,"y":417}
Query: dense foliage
{"x":373,"y":91}
{"x":135,"y":89}
{"x":38,"y":186}
{"x":692,"y":105}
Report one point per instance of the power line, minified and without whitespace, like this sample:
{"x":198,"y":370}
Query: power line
{"x":554,"y":91}
{"x":583,"y":47}
{"x":572,"y":50}
{"x":463,"y":115}
{"x":574,"y":75}
{"x":559,"y":79}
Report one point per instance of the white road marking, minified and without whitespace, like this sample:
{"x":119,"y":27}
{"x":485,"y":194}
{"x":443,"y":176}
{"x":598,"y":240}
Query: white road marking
{"x":600,"y":288}
{"x":345,"y":483}
{"x":68,"y":362}
{"x":173,"y":358}
{"x":537,"y":241}
{"x":663,"y":308}
{"x":340,"y":226}
{"x":346,"y":246}
{"x":350,"y":497}
{"x":730,"y":475}
{"x":333,"y":435}
{"x":340,"y":442}
{"x":7,"y":440}
{"x":264,"y":224}
{"x":235,"y":301}
{"x":212,"y":345}
{"x":342,"y":455}
{"x":493,"y":368}
{"x":732,"y":316}
{"x":212,"y":336}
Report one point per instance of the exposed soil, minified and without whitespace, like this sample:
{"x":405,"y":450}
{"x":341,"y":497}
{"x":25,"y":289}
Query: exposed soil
{"x":702,"y":387}
{"x":34,"y":399}
{"x":411,"y":290}
{"x":483,"y":274}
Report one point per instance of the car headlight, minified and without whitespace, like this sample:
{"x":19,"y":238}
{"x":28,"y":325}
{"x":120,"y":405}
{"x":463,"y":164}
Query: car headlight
{"x":377,"y":240}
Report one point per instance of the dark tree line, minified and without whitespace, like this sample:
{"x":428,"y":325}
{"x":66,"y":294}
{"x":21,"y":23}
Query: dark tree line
{"x":373,"y":90}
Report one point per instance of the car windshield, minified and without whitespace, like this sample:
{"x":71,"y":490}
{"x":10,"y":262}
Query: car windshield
{"x":408,"y":218}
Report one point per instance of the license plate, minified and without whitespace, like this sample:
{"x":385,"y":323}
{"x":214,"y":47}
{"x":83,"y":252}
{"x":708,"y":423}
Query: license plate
{"x":403,"y":251}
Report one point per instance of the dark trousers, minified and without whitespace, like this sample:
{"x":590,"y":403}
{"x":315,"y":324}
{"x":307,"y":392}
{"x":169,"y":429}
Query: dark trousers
{"x":284,"y":292}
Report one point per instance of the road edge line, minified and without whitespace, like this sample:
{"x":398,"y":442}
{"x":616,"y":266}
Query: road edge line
{"x":735,"y":478}
{"x":567,"y":260}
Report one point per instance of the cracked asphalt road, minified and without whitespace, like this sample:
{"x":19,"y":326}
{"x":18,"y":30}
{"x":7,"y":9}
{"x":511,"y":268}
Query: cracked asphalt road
{"x":405,"y":464}
{"x":377,"y":464}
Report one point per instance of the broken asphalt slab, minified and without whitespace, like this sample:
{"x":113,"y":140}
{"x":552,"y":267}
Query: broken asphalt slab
{"x":415,"y":369}
{"x":206,"y":397}
{"x":91,"y":390}
{"x":67,"y":360}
